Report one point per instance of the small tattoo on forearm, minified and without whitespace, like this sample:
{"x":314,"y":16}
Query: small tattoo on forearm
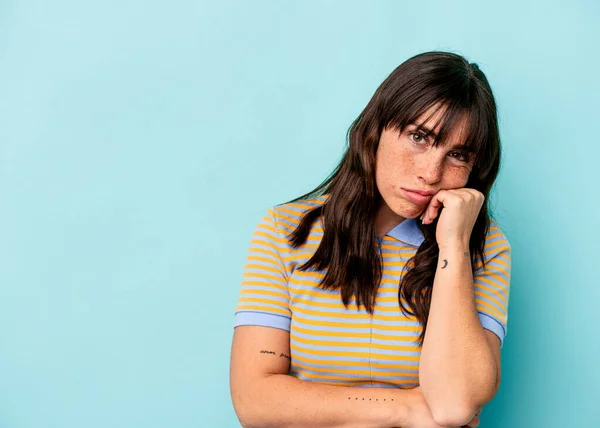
{"x":268,"y":352}
{"x":286,"y":356}
{"x":445,"y":263}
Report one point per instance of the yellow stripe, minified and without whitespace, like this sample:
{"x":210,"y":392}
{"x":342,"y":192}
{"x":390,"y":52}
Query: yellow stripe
{"x":264,"y":293}
{"x":400,"y":371}
{"x":340,"y":306}
{"x":261,"y":275}
{"x":495,"y":247}
{"x":408,"y":328}
{"x":353,"y":345}
{"x":261,"y":267}
{"x":399,"y":384}
{"x":494,"y":292}
{"x":310,"y":274}
{"x":296,"y":257}
{"x":490,"y":310}
{"x":294,"y":220}
{"x":263,"y":284}
{"x":259,"y":301}
{"x":261,"y":259}
{"x":394,"y":264}
{"x":486,"y":278}
{"x":492,"y":285}
{"x":492,"y":298}
{"x":390,"y":272}
{"x":394,"y":248}
{"x":315,"y":232}
{"x":392,"y":365}
{"x":268,"y":252}
{"x":499,"y":259}
{"x":331,"y":377}
{"x":406,"y":338}
{"x":351,"y":315}
{"x":352,"y":354}
{"x":335,"y":296}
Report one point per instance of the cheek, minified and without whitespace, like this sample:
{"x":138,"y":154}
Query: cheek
{"x":391,"y":166}
{"x":456,"y":177}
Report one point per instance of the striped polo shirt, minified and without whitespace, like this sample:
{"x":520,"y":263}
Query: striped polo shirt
{"x":330,"y":343}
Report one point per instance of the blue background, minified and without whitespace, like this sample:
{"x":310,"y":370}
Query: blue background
{"x":141,"y":141}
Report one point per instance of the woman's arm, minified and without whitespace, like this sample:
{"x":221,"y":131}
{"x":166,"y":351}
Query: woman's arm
{"x":460,"y":361}
{"x":459,"y":369}
{"x":264,"y":395}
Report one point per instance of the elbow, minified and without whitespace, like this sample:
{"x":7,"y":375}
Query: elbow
{"x":457,"y":411}
{"x":453,"y":416}
{"x":251,"y":414}
{"x":248,"y":420}
{"x":247,"y":416}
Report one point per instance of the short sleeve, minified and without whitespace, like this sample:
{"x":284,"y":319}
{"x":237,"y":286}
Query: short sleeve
{"x":264,"y":298}
{"x":492,"y":284}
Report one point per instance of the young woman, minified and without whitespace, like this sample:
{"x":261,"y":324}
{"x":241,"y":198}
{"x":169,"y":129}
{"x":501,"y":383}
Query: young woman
{"x":380,"y":298}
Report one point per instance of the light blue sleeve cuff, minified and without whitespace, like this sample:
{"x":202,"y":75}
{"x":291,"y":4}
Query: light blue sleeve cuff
{"x":493,"y":325}
{"x":262,"y":319}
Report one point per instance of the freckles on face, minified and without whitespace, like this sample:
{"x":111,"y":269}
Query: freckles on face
{"x":395,"y":168}
{"x":402,"y":164}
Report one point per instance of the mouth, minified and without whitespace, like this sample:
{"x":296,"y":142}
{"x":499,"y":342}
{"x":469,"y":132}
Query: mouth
{"x":416,"y":197}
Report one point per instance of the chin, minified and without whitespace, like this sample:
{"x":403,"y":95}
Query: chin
{"x":407,"y":209}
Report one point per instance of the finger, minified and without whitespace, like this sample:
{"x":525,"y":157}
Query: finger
{"x":432,"y":208}
{"x":470,"y":196}
{"x":437,"y":201}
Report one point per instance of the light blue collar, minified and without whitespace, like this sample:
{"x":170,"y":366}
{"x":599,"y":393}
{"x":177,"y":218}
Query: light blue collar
{"x":408,"y":231}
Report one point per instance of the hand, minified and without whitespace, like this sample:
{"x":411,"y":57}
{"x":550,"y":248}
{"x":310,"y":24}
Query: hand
{"x":461,"y":209}
{"x":419,"y":415}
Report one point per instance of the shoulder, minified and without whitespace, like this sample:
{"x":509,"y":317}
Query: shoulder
{"x":497,"y":247}
{"x":290,"y":214}
{"x":496,"y":237}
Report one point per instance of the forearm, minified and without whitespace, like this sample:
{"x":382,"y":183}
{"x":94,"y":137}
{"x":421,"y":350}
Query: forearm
{"x":458,"y":370}
{"x":281,"y":400}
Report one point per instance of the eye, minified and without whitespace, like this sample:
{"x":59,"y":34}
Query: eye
{"x":463,"y":157}
{"x":418,"y":137}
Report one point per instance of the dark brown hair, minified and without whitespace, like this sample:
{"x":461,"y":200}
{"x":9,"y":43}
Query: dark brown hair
{"x":348,"y":250}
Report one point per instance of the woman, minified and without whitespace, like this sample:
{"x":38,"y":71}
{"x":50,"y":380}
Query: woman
{"x":389,"y":279}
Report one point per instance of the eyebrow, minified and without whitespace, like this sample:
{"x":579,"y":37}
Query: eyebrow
{"x":429,"y":132}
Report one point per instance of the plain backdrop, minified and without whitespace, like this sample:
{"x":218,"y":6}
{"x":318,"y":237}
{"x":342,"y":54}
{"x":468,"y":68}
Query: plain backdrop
{"x":141,"y":142}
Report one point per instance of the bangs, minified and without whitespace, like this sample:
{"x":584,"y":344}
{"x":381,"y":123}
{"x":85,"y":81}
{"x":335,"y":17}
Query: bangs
{"x":475,"y":134}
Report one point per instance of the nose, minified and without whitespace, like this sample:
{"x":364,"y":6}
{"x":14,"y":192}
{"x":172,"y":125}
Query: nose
{"x":431,"y":169}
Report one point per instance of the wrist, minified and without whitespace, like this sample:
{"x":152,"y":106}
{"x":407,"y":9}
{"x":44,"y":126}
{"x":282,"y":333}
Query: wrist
{"x":401,"y":416}
{"x":455,"y":246}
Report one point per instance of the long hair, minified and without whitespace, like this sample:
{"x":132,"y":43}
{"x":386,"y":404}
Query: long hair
{"x":348,"y":250}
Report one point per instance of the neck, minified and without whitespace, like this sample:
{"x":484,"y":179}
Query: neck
{"x":386,"y":219}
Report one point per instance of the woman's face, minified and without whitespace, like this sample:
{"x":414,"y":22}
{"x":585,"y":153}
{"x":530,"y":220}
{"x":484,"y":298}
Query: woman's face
{"x":408,"y":161}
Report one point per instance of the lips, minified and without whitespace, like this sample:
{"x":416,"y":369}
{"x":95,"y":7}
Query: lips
{"x":416,"y":197}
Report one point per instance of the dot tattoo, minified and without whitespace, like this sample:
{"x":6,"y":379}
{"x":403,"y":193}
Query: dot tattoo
{"x":370,"y":399}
